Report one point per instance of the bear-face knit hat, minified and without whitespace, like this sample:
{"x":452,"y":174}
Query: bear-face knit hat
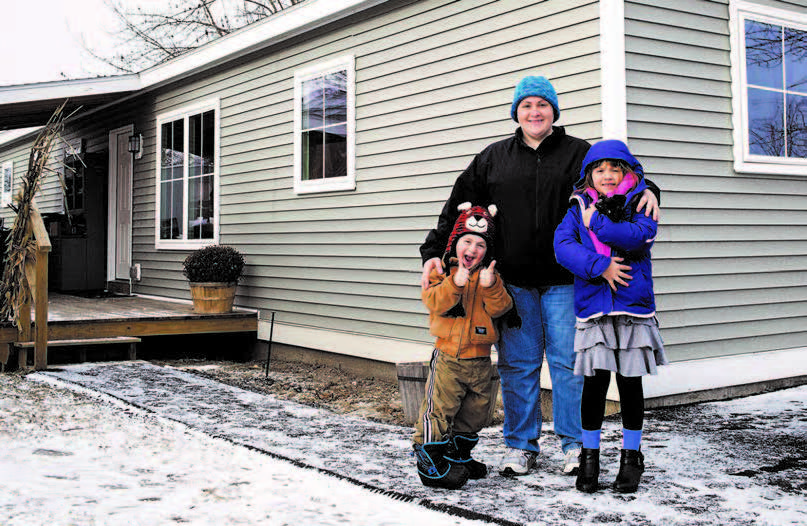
{"x":475,"y":220}
{"x":535,"y":86}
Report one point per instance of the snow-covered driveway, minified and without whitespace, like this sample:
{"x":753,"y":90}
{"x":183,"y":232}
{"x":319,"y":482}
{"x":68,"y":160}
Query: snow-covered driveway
{"x":215,"y":447}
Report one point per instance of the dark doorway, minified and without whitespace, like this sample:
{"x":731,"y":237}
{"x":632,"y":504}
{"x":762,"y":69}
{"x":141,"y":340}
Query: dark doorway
{"x":78,"y":256}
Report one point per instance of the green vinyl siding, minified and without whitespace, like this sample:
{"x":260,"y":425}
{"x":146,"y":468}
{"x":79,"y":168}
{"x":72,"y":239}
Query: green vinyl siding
{"x":730,"y":260}
{"x":434,"y":81}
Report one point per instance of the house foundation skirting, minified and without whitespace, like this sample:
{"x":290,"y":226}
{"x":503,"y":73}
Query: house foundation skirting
{"x":679,"y":383}
{"x":376,"y":348}
{"x":726,"y":377}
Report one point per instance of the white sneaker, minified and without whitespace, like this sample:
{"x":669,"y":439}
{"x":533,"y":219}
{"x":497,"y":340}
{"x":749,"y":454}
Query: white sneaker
{"x":571,"y":462}
{"x":517,"y":462}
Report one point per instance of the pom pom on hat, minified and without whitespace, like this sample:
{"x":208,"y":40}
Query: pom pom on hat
{"x":535,"y":86}
{"x":475,"y":220}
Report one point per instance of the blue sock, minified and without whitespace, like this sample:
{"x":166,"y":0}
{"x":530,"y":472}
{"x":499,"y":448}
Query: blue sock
{"x":591,"y":439}
{"x":631,"y":439}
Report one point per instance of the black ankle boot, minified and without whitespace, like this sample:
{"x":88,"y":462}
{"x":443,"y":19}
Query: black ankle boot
{"x":631,"y":467}
{"x":459,"y":452}
{"x":588,"y":477}
{"x":434,"y":470}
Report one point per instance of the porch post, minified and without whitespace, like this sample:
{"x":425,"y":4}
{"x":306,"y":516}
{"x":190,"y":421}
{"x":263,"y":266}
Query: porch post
{"x":38,"y":281}
{"x":41,"y":309}
{"x":24,"y":335}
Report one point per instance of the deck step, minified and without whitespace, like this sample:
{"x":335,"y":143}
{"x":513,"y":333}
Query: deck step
{"x":83,"y":342}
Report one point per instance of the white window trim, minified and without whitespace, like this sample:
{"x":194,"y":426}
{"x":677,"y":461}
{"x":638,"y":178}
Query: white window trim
{"x":184,"y":112}
{"x":744,"y":161}
{"x":331,"y":184}
{"x":612,"y":71}
{"x":6,"y":197}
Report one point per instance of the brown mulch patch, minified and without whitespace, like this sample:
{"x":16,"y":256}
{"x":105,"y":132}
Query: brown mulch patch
{"x":317,"y":385}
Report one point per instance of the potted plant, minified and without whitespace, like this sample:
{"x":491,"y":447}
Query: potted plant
{"x":213,"y":273}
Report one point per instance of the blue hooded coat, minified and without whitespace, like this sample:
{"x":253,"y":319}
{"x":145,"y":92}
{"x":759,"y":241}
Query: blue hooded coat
{"x":629,"y":237}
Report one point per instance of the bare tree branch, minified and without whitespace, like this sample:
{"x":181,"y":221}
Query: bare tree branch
{"x":150,"y":35}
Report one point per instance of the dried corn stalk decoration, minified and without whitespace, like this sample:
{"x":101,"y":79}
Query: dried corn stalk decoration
{"x":21,"y":244}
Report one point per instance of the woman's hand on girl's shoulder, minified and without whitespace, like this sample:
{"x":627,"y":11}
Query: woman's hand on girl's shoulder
{"x":650,"y":204}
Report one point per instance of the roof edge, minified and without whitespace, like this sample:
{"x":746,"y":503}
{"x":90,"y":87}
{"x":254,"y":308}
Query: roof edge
{"x":272,"y":30}
{"x":281,"y":26}
{"x":288,"y":23}
{"x":61,"y":89}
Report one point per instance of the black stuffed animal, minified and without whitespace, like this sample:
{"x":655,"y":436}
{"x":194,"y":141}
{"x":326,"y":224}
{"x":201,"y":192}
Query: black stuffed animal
{"x":612,"y":207}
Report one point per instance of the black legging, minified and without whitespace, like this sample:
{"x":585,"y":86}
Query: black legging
{"x":631,"y":400}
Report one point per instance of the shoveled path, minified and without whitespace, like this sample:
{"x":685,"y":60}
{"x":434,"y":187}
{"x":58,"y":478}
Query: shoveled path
{"x":739,"y":463}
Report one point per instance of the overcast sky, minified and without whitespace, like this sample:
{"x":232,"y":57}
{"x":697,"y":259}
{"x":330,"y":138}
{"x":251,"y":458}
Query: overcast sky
{"x":40,"y":39}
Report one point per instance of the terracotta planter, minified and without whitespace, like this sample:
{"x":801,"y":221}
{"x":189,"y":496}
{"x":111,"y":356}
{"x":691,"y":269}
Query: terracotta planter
{"x":213,"y":298}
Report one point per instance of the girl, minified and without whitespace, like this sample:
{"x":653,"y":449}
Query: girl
{"x":606,"y":245}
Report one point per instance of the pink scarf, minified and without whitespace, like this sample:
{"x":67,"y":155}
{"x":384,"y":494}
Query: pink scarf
{"x":627,"y":184}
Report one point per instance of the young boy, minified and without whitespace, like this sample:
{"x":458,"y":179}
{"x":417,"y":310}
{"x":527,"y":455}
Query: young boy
{"x":463,"y":304}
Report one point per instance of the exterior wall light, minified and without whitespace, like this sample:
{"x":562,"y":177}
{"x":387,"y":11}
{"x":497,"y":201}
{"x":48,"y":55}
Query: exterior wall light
{"x":136,"y":145}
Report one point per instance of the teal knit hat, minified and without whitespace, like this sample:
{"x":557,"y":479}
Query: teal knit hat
{"x":534,"y":87}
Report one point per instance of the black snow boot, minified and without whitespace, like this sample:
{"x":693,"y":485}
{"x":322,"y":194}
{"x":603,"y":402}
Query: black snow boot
{"x":459,"y":453}
{"x":631,"y":467}
{"x":588,"y":477}
{"x":434,"y":470}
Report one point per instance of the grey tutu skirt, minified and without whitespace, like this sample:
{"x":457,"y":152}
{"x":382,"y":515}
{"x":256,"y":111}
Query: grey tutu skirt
{"x":623,"y":344}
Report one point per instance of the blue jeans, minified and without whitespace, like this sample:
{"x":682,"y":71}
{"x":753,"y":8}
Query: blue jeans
{"x":547,"y":326}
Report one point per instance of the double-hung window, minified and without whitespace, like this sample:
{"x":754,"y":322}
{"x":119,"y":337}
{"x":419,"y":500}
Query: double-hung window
{"x":324,"y":128}
{"x":188,"y":177}
{"x":7,"y":183}
{"x":769,"y":81}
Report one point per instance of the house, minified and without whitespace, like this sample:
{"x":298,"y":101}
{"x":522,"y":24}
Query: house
{"x":323,"y":141}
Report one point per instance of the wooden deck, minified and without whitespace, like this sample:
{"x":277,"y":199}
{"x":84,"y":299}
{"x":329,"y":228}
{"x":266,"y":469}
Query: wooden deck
{"x":75,"y":317}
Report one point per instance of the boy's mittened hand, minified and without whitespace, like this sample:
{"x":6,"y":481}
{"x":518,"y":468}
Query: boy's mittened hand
{"x":487,"y":276}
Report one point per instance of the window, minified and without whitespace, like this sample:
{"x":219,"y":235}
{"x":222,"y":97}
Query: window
{"x":7,"y":183}
{"x":187,"y":177}
{"x":769,"y":74}
{"x":74,"y":184}
{"x":324,"y":135}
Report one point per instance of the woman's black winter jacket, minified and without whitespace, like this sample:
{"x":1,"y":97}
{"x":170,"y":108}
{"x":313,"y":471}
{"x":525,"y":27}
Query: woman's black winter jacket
{"x":531,"y":189}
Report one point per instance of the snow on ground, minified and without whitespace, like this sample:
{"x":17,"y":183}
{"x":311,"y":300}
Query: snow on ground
{"x":74,"y":459}
{"x":162,"y":446}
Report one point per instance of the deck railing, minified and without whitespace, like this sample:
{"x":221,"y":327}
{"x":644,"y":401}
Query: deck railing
{"x":36,"y":273}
